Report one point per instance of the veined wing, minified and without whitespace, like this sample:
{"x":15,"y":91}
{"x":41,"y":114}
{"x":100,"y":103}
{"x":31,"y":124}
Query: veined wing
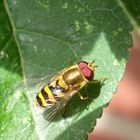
{"x":33,"y":84}
{"x":50,"y":113}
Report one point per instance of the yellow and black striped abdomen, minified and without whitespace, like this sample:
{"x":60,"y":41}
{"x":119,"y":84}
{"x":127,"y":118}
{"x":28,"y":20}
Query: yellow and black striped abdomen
{"x":49,"y":96}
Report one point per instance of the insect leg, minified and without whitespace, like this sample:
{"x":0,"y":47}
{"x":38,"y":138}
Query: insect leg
{"x":64,"y":111}
{"x":81,"y":97}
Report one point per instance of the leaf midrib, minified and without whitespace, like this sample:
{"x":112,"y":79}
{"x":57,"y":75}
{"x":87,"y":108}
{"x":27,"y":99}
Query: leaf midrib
{"x":14,"y":33}
{"x":14,"y":36}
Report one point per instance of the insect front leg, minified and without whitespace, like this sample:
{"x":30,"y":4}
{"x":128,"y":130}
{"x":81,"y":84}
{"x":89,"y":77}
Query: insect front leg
{"x":98,"y":81}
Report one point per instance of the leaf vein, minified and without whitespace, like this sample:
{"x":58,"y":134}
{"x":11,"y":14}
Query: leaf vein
{"x":52,"y":37}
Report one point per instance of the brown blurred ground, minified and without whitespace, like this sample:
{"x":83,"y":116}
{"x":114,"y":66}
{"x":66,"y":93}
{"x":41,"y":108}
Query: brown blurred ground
{"x":121,"y":120}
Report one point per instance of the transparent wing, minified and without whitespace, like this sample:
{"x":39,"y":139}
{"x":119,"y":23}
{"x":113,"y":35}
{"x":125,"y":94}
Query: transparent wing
{"x":51,"y":112}
{"x":33,"y":84}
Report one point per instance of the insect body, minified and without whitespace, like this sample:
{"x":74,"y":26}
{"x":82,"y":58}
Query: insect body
{"x":65,"y":84}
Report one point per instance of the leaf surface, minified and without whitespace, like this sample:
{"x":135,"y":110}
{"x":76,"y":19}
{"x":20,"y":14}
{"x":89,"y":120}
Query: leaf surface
{"x":132,"y":9}
{"x":39,"y":37}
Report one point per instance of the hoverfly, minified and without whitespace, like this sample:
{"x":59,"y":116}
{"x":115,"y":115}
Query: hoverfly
{"x":56,"y":93}
{"x":65,"y":84}
{"x":57,"y":89}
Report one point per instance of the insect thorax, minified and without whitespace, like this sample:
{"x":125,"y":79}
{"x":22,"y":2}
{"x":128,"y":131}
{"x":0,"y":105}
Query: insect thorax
{"x":70,"y":76}
{"x":73,"y":76}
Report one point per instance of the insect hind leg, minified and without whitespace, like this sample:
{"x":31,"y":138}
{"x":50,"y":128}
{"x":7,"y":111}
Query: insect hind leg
{"x":81,"y":97}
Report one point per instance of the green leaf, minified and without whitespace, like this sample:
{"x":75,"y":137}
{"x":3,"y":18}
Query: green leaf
{"x":39,"y":37}
{"x":132,"y":9}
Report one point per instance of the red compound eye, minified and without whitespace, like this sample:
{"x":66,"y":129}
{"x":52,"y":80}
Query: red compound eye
{"x":87,"y":72}
{"x":82,"y":64}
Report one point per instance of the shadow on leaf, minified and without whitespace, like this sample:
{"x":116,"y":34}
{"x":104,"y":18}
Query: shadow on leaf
{"x":76,"y":106}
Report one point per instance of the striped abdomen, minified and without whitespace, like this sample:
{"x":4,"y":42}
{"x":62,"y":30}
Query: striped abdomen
{"x":49,"y":95}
